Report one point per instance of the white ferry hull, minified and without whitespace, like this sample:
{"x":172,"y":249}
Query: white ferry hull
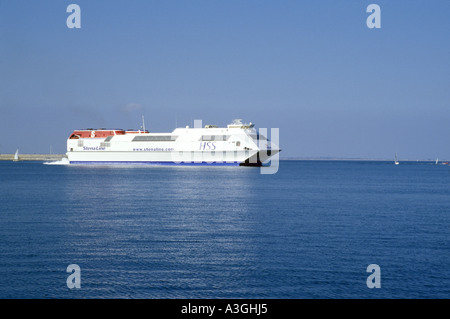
{"x":238,"y":144}
{"x":156,"y":158}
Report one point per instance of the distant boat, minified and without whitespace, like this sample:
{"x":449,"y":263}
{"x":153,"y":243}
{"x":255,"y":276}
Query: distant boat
{"x":396,"y":161}
{"x":437,"y":161}
{"x":16,"y":156}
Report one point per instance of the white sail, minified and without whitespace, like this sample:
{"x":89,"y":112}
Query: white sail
{"x":16,"y":156}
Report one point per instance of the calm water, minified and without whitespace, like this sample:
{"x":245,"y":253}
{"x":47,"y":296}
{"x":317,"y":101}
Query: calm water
{"x":309,"y":231}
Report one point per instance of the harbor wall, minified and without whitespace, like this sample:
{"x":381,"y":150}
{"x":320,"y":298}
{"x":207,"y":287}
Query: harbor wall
{"x":33,"y":157}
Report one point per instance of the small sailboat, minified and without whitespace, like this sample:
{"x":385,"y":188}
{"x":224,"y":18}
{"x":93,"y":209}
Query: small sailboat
{"x":437,"y":161}
{"x":16,"y":156}
{"x":396,"y":161}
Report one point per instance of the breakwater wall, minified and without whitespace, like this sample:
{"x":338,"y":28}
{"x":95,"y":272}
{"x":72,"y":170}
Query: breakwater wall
{"x":33,"y":157}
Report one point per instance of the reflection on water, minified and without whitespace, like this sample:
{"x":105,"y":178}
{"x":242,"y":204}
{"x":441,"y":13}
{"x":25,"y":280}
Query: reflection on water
{"x":162,"y":227}
{"x":309,"y":231}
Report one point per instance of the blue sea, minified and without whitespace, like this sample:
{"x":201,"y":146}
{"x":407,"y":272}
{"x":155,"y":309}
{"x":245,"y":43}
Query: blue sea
{"x":309,"y":231}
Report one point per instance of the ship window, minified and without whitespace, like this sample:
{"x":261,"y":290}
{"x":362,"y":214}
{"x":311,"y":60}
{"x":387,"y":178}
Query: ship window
{"x":214,"y":137}
{"x":108,"y":138}
{"x":238,"y":143}
{"x":258,"y":137}
{"x":155,"y":138}
{"x":261,"y":137}
{"x":80,"y":143}
{"x":208,"y":138}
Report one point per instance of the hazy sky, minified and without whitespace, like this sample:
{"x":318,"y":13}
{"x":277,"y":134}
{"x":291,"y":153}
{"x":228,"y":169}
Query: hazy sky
{"x":311,"y":68}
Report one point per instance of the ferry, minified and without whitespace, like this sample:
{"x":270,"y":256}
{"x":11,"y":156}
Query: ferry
{"x":236,"y":144}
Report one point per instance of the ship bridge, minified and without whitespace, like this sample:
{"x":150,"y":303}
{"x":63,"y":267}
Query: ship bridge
{"x":237,"y":123}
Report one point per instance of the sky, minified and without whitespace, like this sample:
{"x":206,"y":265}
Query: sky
{"x":314,"y":69}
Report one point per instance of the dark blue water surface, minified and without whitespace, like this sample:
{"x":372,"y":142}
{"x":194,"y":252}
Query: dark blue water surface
{"x":309,"y":231}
